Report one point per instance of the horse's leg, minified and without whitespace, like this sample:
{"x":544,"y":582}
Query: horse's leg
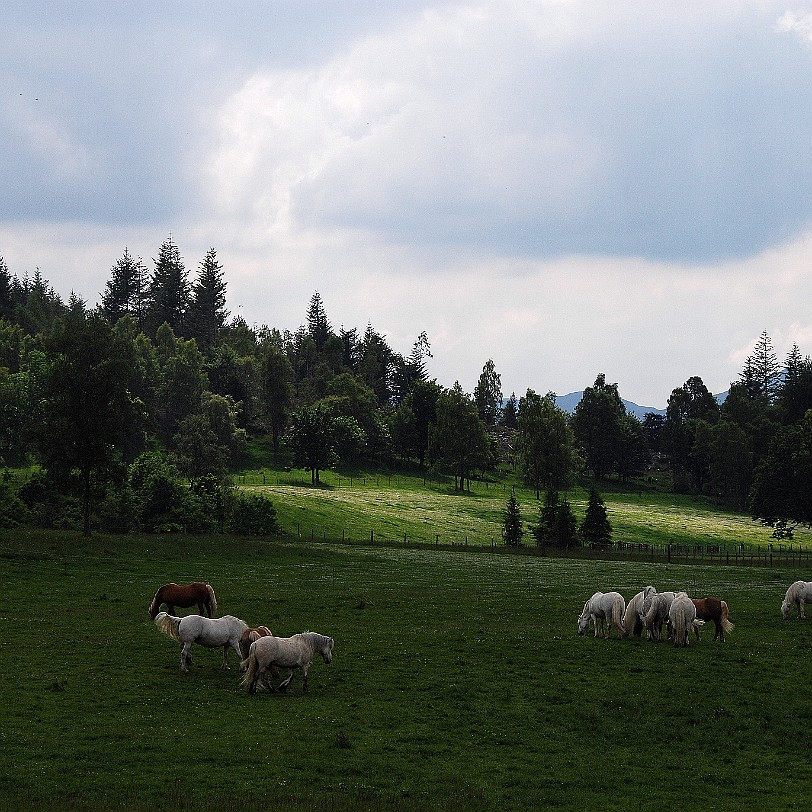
{"x":185,"y":657}
{"x":235,"y":644}
{"x":801,"y":612}
{"x":304,"y":679}
{"x":224,"y":666}
{"x":283,"y":686}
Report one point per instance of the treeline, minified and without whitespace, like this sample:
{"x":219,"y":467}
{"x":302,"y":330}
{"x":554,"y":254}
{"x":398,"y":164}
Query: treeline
{"x":135,"y":411}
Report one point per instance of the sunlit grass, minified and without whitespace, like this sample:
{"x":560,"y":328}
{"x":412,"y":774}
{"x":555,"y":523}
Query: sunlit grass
{"x":402,"y":508}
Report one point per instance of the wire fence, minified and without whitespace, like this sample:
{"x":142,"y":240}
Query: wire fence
{"x":748,"y":555}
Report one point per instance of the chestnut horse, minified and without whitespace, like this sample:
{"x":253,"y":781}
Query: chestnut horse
{"x":187,"y":595}
{"x":716,"y":610}
{"x":249,"y":635}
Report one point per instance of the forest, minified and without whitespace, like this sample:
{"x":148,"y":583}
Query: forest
{"x":134,"y":413}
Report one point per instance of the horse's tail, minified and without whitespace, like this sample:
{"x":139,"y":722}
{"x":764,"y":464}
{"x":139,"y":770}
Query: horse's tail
{"x":212,"y":601}
{"x":726,"y":624}
{"x":618,"y":611}
{"x":680,"y":626}
{"x":629,"y":620}
{"x":155,"y":605}
{"x":168,"y":624}
{"x":249,"y":666}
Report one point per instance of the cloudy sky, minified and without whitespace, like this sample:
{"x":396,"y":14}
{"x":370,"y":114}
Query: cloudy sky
{"x":567,"y":187}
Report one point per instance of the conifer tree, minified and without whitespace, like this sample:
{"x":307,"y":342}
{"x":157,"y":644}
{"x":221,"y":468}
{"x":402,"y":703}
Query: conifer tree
{"x":512,"y":530}
{"x":596,"y":529}
{"x":169,"y":295}
{"x":207,"y":311}
{"x":126,"y":290}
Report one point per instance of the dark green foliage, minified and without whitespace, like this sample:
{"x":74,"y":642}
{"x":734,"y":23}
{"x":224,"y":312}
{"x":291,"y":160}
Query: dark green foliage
{"x":252,"y":515}
{"x":512,"y":530}
{"x":92,"y":425}
{"x":557,"y":523}
{"x":458,"y":441}
{"x":545,"y":445}
{"x":782,"y":492}
{"x":595,"y":528}
{"x":598,"y":426}
{"x":312,"y":439}
{"x":126,"y":291}
{"x":169,"y":294}
{"x":488,"y":394}
{"x":207,"y":309}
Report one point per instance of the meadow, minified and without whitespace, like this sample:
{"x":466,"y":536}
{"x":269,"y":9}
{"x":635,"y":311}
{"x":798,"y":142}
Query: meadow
{"x":458,"y":681}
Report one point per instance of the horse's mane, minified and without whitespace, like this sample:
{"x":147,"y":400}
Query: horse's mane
{"x":168,"y":624}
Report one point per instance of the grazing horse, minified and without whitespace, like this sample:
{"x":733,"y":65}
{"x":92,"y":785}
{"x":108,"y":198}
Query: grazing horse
{"x":798,"y":593}
{"x":298,"y":651}
{"x":682,"y":618}
{"x":716,"y":610}
{"x":633,"y":616}
{"x":605,"y":610}
{"x":249,"y":635}
{"x":656,"y":607}
{"x":214,"y":632}
{"x":184,"y":596}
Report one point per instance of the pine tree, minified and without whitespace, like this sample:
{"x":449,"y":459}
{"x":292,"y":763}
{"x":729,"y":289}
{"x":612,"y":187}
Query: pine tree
{"x":207,"y":312}
{"x":512,"y":530}
{"x":488,"y":393}
{"x":169,"y":295}
{"x":762,"y":372}
{"x":126,"y":290}
{"x":318,"y":327}
{"x":596,"y":529}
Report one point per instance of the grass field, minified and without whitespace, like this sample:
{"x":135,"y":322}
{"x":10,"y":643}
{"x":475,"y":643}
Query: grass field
{"x":458,"y":681}
{"x":397,"y":508}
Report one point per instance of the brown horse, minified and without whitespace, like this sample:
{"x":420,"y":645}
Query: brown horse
{"x":249,"y":635}
{"x":186,"y":595}
{"x":713,"y":609}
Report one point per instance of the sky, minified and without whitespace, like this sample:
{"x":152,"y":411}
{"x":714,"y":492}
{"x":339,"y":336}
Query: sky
{"x":565,"y":187}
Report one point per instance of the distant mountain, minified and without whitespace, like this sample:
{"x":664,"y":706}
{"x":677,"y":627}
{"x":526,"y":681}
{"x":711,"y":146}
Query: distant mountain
{"x":570,"y":401}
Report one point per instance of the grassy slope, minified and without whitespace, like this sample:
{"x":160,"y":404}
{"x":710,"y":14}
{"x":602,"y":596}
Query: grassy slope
{"x":458,"y":681}
{"x":428,"y":511}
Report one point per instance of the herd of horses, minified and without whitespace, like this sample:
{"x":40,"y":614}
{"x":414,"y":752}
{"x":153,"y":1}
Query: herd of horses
{"x":260,"y":653}
{"x":649,"y":610}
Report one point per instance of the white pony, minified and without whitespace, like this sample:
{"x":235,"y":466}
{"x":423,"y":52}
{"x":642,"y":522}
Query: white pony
{"x":213,"y":632}
{"x":268,"y":653}
{"x":799,"y":593}
{"x":656,"y":606}
{"x":605,"y":610}
{"x":682,"y":618}
{"x":633,"y":616}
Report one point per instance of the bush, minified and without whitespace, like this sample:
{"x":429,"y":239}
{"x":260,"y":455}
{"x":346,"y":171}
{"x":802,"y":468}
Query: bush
{"x":253,"y":515}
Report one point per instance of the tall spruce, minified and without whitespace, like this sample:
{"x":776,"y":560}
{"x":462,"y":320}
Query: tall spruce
{"x":169,"y":294}
{"x":126,"y":290}
{"x":595,"y":528}
{"x":207,"y":310}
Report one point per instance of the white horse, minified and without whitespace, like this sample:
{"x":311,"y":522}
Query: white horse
{"x":682,"y":618}
{"x":605,"y":610}
{"x":633,"y":616}
{"x":298,"y":651}
{"x":798,"y":593}
{"x":213,"y":632}
{"x":656,"y":606}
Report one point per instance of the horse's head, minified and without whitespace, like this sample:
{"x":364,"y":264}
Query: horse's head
{"x":327,"y":650}
{"x":583,"y":622}
{"x":786,"y":608}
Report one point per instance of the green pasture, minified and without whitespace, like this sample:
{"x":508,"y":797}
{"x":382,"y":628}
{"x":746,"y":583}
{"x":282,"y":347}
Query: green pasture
{"x":415,"y":510}
{"x":458,"y":681}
